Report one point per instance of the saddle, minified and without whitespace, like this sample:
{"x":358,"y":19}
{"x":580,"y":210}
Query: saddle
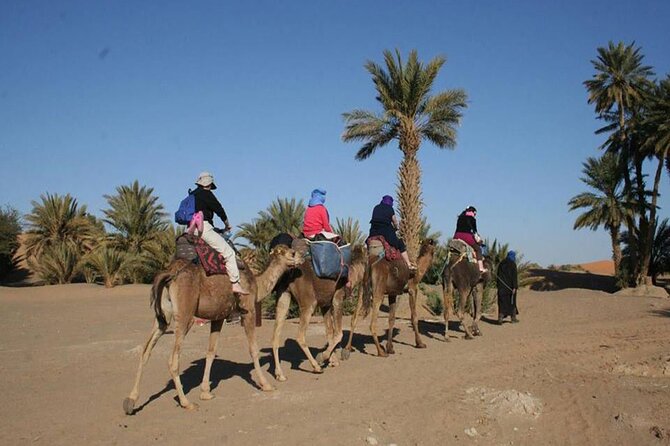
{"x":194,"y":249}
{"x":378,"y":246}
{"x":460,"y":247}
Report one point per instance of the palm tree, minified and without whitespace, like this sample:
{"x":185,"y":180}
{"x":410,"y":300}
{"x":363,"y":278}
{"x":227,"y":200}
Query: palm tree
{"x":350,"y":231}
{"x":617,"y":90}
{"x":139,"y":221}
{"x":660,"y":253}
{"x":282,"y":215}
{"x":409,"y":114}
{"x":59,"y":220}
{"x":620,"y":80}
{"x":657,"y":125}
{"x":10,"y":228}
{"x":608,"y":208}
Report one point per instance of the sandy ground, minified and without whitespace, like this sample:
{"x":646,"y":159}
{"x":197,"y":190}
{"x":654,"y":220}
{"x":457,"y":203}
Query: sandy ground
{"x":581,"y":368}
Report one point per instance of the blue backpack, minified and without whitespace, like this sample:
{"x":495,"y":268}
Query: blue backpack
{"x":186,"y":210}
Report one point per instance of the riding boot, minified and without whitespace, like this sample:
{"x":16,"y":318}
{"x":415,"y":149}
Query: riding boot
{"x":481,"y":266}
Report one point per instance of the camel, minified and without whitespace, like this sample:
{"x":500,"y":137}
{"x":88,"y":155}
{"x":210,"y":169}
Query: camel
{"x":466,"y":277}
{"x":383,"y":277}
{"x":191,"y":293}
{"x":308,"y":290}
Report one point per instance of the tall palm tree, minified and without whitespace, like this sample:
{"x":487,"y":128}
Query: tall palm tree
{"x":59,"y":220}
{"x":657,"y":126}
{"x":606,"y":207}
{"x":139,"y":222}
{"x":620,"y":80}
{"x":409,"y":114}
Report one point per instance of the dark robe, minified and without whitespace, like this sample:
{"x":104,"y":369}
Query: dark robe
{"x":507,"y":283}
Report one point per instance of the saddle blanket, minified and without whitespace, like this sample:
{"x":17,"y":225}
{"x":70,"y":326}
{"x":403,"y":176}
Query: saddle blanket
{"x":390,"y":253}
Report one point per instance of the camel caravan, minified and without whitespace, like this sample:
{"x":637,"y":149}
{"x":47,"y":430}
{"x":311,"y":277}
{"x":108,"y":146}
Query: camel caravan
{"x":209,"y":280}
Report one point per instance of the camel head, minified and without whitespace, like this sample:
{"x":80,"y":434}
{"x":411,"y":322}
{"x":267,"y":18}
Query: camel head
{"x":286,"y":256}
{"x":427,"y":247}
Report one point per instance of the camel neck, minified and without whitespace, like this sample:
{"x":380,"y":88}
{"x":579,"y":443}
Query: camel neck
{"x":267,"y":280}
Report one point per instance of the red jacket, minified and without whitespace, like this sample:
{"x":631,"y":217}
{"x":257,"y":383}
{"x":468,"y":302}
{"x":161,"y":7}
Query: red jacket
{"x":316,"y":220}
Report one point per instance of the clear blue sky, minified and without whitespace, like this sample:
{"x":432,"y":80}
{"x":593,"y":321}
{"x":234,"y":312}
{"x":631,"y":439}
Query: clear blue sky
{"x":94,"y":95}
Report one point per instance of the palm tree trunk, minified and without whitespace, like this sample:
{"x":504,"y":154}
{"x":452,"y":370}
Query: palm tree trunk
{"x":410,"y":204}
{"x":649,"y":235}
{"x":616,"y":250}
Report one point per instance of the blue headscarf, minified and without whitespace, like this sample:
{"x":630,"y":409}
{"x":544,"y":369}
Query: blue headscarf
{"x":318,"y":197}
{"x":511,"y":256}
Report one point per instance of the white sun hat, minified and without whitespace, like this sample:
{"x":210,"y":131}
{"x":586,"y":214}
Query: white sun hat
{"x":205,"y":179}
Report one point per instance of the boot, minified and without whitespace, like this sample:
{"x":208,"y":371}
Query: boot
{"x":481,"y":266}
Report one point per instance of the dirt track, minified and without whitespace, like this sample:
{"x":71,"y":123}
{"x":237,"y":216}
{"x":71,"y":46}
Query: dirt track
{"x":581,"y":368}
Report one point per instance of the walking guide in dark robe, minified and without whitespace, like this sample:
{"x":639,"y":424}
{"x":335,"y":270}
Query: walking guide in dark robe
{"x":507,"y":282}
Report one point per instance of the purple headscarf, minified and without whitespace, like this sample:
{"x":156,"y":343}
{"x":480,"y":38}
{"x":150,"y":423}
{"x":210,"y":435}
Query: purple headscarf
{"x":387,"y":199}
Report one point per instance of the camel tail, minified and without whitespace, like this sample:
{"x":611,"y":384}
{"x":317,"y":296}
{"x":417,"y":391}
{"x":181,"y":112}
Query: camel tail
{"x":160,"y":281}
{"x":367,"y":290}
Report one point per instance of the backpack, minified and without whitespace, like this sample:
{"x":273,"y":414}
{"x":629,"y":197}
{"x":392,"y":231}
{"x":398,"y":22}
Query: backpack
{"x":186,"y":210}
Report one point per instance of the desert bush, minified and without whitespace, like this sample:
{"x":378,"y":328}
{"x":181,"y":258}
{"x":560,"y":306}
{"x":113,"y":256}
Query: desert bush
{"x":434,"y":301}
{"x":59,"y":220}
{"x":56,"y":263}
{"x":10,"y":228}
{"x":110,"y":264}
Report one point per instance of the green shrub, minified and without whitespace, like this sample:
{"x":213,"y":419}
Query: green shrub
{"x":10,"y":228}
{"x":56,"y":263}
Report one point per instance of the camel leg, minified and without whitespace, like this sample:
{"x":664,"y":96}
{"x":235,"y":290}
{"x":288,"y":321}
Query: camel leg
{"x":156,"y":332}
{"x":333,"y":321}
{"x":306,"y":312}
{"x":389,"y":334}
{"x":413,"y":290}
{"x":214,"y":334}
{"x":249,"y":323}
{"x":376,"y":302}
{"x":181,"y":329}
{"x":477,"y":314}
{"x":281,"y":312}
{"x":448,"y":304}
{"x":464,"y":294}
{"x":354,"y":319}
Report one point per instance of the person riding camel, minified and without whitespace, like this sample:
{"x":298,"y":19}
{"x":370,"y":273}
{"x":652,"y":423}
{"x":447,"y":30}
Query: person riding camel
{"x":207,"y":203}
{"x":466,"y":230}
{"x":317,"y":221}
{"x":384,"y":223}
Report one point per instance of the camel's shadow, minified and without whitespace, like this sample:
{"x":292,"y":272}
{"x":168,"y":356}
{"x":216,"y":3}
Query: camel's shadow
{"x":191,"y":377}
{"x":292,"y":353}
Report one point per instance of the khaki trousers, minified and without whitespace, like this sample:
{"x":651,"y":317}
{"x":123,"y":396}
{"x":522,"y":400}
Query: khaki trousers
{"x":216,"y":241}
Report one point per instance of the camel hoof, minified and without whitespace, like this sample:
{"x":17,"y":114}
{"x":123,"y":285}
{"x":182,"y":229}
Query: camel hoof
{"x":469,"y":337}
{"x":446,"y":338}
{"x":420,"y":345}
{"x":191,"y":407}
{"x":268,"y":387}
{"x":382,"y":353}
{"x":390,"y":350}
{"x":320,"y":358}
{"x":317,"y":369}
{"x":206,"y":396}
{"x":345,"y":354}
{"x":333,"y":362}
{"x":129,"y":406}
{"x":281,"y":378}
